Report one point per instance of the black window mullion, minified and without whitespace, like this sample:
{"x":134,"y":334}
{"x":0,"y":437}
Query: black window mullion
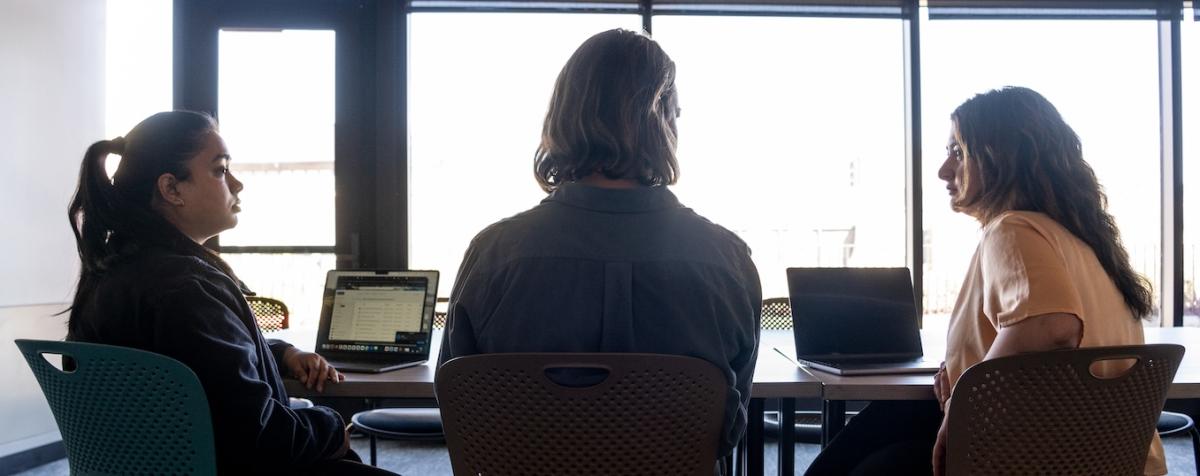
{"x":390,"y":98}
{"x":1170,"y":90}
{"x":915,"y":232}
{"x":647,"y":12}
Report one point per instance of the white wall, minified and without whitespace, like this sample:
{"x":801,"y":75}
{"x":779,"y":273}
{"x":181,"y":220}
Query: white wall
{"x":51,"y":108}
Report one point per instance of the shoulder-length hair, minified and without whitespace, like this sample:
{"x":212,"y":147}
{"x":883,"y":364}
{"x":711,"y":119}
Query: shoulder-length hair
{"x":1019,"y":154}
{"x":612,"y":112}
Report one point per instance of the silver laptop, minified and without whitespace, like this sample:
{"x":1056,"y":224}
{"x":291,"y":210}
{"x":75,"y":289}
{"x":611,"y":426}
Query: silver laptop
{"x":375,"y":321}
{"x":856,"y":321}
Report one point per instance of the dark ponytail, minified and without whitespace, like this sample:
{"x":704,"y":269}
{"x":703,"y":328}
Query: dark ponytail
{"x":92,"y":209}
{"x":113,"y":219}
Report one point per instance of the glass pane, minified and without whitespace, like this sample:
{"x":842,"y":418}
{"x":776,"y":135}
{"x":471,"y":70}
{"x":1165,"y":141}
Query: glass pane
{"x":276,"y":107}
{"x":479,"y":84}
{"x":1101,"y":75}
{"x":792,"y":136}
{"x":1190,"y":40}
{"x":296,"y":279}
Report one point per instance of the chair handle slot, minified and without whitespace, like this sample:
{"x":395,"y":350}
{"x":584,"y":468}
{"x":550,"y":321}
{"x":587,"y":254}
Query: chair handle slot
{"x":1111,"y":367}
{"x":62,"y":362}
{"x":577,"y":376}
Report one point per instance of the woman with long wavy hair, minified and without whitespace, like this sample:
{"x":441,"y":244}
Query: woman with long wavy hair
{"x":1049,"y":272}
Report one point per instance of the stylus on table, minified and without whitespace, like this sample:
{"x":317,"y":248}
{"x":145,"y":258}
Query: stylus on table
{"x":798,"y":364}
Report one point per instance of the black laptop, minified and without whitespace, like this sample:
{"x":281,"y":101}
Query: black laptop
{"x":856,"y":321}
{"x":375,"y":321}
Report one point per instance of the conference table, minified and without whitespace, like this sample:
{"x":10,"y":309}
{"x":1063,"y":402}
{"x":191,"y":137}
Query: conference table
{"x":776,"y":377}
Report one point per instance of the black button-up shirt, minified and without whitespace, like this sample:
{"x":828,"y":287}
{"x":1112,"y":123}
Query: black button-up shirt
{"x":181,"y":307}
{"x":612,"y":270}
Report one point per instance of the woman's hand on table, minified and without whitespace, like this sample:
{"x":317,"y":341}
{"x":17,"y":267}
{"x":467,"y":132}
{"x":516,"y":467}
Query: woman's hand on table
{"x":941,"y":386}
{"x":310,"y":369}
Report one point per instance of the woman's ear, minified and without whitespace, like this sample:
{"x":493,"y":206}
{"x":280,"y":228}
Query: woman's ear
{"x":168,"y":189}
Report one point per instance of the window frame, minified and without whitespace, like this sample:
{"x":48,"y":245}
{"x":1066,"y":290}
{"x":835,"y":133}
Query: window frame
{"x":363,"y":108}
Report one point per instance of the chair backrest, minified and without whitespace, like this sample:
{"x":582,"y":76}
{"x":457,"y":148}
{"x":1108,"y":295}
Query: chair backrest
{"x":124,"y":411}
{"x":651,"y":414}
{"x":776,"y":313}
{"x":271,"y":314}
{"x":1047,"y":413}
{"x":439,"y":317}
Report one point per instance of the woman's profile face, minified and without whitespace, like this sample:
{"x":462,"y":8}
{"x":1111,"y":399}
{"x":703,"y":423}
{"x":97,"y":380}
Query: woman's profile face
{"x":209,"y":197}
{"x":952,"y":168}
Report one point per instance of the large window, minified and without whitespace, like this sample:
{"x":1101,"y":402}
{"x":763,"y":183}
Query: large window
{"x":1191,"y":167}
{"x":792,"y":132}
{"x":276,"y":114}
{"x":1102,"y":75}
{"x":792,"y":136}
{"x":276,"y":105}
{"x":479,"y":85}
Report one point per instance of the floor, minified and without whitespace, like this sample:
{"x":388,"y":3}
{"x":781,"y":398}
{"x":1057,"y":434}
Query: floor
{"x":430,"y":459}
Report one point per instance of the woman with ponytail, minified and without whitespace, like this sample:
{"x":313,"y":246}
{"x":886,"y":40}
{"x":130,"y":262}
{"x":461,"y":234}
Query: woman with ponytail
{"x":146,"y":281}
{"x":1049,"y":273}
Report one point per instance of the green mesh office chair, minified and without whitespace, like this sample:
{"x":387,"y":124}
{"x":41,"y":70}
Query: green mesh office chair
{"x":124,"y":411}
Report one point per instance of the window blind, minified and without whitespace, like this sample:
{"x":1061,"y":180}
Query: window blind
{"x":604,"y":6}
{"x":840,"y":8}
{"x":1046,"y":9}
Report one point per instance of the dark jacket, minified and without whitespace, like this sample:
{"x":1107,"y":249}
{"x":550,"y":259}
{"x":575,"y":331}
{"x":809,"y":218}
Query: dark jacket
{"x":604,"y":270}
{"x":182,"y":307}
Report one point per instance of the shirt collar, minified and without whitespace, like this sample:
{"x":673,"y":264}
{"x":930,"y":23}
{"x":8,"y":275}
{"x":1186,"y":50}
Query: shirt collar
{"x":613,"y":200}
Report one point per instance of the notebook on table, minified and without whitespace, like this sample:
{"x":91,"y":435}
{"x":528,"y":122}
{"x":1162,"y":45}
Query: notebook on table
{"x":856,"y":321}
{"x":375,"y":321}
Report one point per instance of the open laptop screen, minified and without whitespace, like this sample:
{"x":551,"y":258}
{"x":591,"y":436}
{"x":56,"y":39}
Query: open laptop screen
{"x":385,"y":313}
{"x":839,"y":311}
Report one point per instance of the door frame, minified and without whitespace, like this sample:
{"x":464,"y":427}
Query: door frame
{"x":370,"y":141}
